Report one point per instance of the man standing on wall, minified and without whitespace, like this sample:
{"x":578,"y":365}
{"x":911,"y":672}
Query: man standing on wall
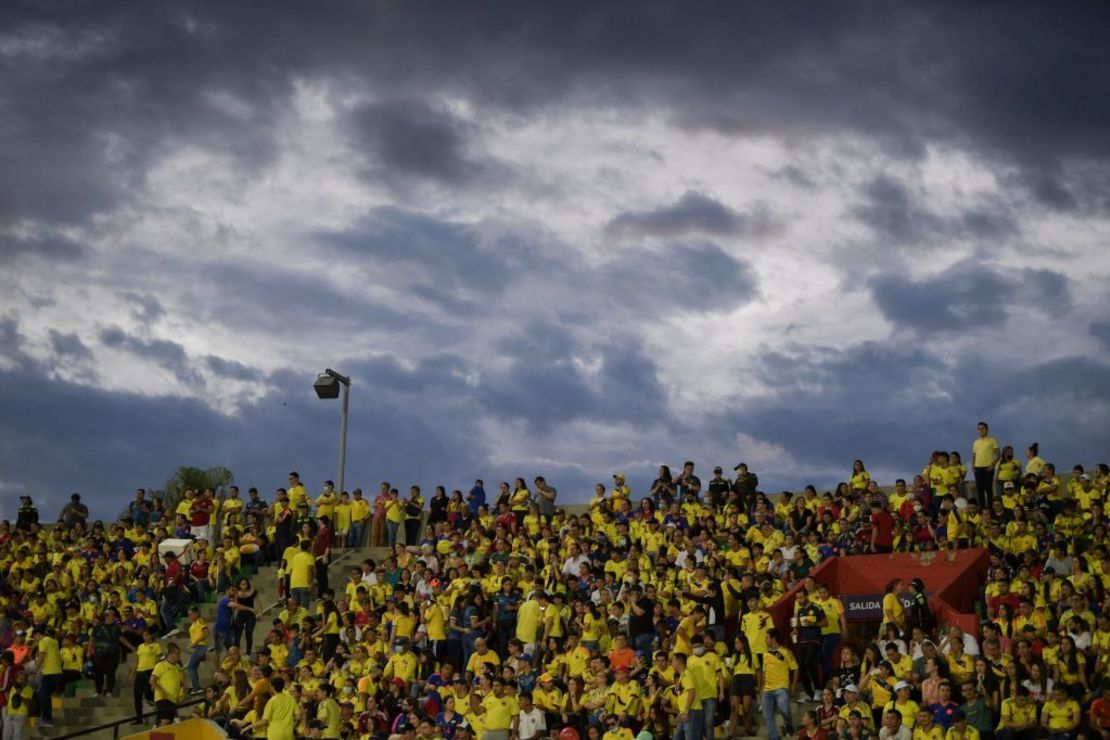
{"x":985,"y":454}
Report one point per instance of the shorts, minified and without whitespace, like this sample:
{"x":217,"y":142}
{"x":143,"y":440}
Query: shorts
{"x":742,"y":685}
{"x":166,"y":711}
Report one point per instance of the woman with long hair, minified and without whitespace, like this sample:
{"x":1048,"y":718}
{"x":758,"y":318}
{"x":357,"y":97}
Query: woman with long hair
{"x":245,"y":618}
{"x":1070,"y":669}
{"x":745,"y":670}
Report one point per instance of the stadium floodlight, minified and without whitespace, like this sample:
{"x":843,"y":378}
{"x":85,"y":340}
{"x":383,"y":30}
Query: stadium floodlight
{"x":327,"y":386}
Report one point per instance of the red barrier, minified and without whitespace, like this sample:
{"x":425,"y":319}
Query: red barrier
{"x":951,"y":577}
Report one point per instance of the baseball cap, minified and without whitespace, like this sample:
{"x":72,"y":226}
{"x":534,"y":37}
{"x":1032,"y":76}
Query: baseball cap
{"x":901,"y":685}
{"x":1008,"y":486}
{"x":852,"y":687}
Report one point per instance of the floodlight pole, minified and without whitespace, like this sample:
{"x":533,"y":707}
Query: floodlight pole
{"x":346,"y":382}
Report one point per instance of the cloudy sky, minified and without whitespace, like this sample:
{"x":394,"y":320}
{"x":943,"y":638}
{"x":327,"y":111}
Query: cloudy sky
{"x":560,"y":238}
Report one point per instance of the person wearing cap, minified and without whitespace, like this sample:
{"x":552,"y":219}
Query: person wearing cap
{"x":906,"y":707}
{"x":718,"y":488}
{"x":854,"y":703}
{"x":548,"y":698}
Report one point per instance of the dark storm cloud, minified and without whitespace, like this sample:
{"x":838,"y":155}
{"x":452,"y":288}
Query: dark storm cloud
{"x":545,"y":383}
{"x":116,"y":85}
{"x":695,"y":277}
{"x":69,"y":345}
{"x":1100,"y":330}
{"x":890,"y":404}
{"x":50,"y":248}
{"x":693,"y":213}
{"x":147,"y":310}
{"x":968,"y":295}
{"x":898,"y":217}
{"x":162,"y":352}
{"x":405,"y":422}
{"x":406,"y":138}
{"x":231,"y":369}
{"x":275,"y":298}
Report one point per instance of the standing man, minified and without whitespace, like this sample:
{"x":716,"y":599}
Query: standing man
{"x":104,"y":649}
{"x":500,"y":711}
{"x":687,"y":482}
{"x":198,"y":648}
{"x":985,"y":454}
{"x":545,"y":498}
{"x":166,"y":680}
{"x":50,"y":657}
{"x":689,"y":723}
{"x":302,"y":571}
{"x":200,"y":515}
{"x":779,"y":676}
{"x":279,"y":718}
{"x":810,"y":620}
{"x":719,"y":487}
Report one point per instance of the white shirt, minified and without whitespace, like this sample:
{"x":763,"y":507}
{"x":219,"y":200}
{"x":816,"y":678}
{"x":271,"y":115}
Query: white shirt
{"x":531,"y":724}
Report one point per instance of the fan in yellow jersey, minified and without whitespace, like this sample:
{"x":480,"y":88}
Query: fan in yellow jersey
{"x":779,"y":676}
{"x":168,"y":682}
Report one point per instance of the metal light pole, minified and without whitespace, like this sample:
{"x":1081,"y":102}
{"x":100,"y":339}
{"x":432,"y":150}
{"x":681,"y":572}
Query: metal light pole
{"x":327,"y":386}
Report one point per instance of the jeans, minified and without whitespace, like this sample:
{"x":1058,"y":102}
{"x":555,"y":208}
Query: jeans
{"x":709,"y":716}
{"x":391,"y":532}
{"x":354,"y":534}
{"x":303,"y":596}
{"x":196,"y":657}
{"x":776,"y":700}
{"x":691,"y":729}
{"x":13,"y":725}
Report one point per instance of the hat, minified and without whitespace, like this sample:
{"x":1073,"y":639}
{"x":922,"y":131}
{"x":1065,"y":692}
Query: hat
{"x":645,"y":735}
{"x":717,"y":469}
{"x":852,"y":687}
{"x":918,"y":584}
{"x":618,"y":475}
{"x":901,"y":685}
{"x":1008,"y":485}
{"x":927,"y":641}
{"x":1084,"y":476}
{"x":400,"y":682}
{"x":524,"y":656}
{"x":546,"y":677}
{"x":855,"y":713}
{"x":1049,"y":571}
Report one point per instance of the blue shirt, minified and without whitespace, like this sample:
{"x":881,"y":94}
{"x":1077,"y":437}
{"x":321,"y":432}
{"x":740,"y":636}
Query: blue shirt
{"x":223,"y":614}
{"x":477,"y":499}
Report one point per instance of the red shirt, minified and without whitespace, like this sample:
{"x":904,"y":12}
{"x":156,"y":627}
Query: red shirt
{"x":201,"y":511}
{"x":884,"y":528}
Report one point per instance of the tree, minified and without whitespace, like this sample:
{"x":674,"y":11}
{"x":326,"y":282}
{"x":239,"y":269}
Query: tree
{"x":185,"y":477}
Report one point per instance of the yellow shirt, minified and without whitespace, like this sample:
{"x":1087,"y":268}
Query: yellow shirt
{"x":1020,"y":716}
{"x":168,"y":676}
{"x":777,"y":665}
{"x":51,"y":656}
{"x":936,"y":732}
{"x":301,"y":568}
{"x":328,"y":711}
{"x":686,"y":682}
{"x":499,"y":712}
{"x":148,"y":655}
{"x":893,"y":604}
{"x":1060,"y":718}
{"x":281,"y":716}
{"x":983,"y":450}
{"x":198,"y":631}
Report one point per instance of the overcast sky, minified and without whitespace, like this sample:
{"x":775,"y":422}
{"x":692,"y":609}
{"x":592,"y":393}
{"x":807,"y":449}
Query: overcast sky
{"x":546,"y":238}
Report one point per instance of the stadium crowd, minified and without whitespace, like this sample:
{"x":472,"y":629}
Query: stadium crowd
{"x":500,"y":616}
